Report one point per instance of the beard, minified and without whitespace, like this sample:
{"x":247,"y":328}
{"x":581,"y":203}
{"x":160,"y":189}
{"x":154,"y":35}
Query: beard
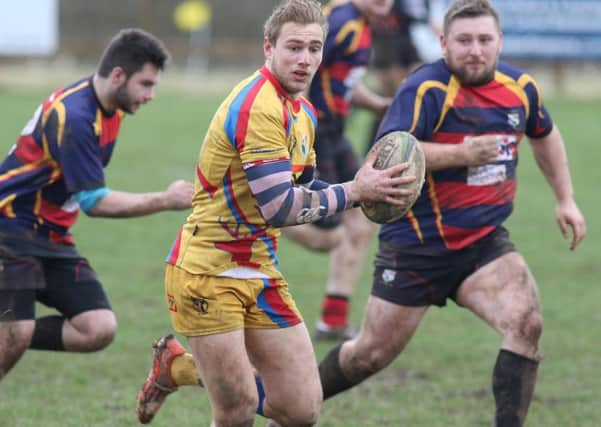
{"x":123,"y":100}
{"x":470,"y":78}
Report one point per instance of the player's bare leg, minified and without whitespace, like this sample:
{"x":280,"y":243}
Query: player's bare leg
{"x":15,"y":337}
{"x":371,"y":351}
{"x":505,"y":295}
{"x":223,"y":364}
{"x":346,"y":264}
{"x":89,"y":331}
{"x":287,"y":367}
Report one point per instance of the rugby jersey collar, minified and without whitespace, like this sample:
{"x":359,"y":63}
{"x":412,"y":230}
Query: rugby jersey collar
{"x":296,"y":103}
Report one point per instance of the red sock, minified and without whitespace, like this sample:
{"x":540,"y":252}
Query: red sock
{"x":334,"y":310}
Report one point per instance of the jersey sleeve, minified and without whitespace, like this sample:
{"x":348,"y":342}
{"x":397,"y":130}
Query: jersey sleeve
{"x":538,"y":122}
{"x":264,"y":138}
{"x":412,"y":110}
{"x":78,"y":151}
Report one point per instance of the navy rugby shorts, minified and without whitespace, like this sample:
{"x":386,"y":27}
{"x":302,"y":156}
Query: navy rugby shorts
{"x":404,"y":278}
{"x":69,"y":285}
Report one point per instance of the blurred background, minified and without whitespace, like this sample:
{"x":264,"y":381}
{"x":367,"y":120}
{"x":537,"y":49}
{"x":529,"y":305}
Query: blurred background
{"x":41,"y":40}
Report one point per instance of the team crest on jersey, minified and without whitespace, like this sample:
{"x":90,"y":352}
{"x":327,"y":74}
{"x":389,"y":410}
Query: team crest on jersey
{"x":293,"y":143}
{"x":513,"y":118}
{"x":305,"y":145}
{"x":388,"y":275}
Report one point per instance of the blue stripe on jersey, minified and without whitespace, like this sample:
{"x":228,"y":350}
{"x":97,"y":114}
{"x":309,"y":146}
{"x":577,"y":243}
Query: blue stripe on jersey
{"x":323,"y":200}
{"x":310,"y":114}
{"x":261,"y":170}
{"x":279,"y":218}
{"x":231,"y":120}
{"x":271,"y":193}
{"x":340,"y":197}
{"x":318,"y":184}
{"x":477,"y":216}
{"x":288,"y":122}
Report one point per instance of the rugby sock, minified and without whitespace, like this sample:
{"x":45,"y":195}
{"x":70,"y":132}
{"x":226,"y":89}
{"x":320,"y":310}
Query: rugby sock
{"x":514,"y":378}
{"x":183,"y":371}
{"x":333,"y":380}
{"x":48,"y":334}
{"x":334,"y":310}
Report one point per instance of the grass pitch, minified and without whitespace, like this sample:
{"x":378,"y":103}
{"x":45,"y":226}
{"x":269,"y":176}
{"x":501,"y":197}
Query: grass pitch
{"x":443,"y":377}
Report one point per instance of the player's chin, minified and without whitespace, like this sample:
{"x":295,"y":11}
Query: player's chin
{"x":296,"y":87}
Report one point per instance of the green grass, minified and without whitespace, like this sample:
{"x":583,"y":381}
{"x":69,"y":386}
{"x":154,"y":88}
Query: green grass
{"x":442,"y":379}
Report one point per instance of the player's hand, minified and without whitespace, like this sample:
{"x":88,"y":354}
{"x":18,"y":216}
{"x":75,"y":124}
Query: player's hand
{"x":374,"y":185}
{"x":569,"y":216}
{"x":179,"y":194}
{"x":479,"y":150}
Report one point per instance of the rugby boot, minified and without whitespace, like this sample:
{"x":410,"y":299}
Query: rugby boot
{"x":159,"y":383}
{"x":325,"y":332}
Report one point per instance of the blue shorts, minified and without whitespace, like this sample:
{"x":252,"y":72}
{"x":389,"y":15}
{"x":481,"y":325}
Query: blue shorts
{"x":408,"y":279}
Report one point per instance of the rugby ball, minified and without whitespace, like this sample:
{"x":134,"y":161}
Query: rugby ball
{"x":392,"y":149}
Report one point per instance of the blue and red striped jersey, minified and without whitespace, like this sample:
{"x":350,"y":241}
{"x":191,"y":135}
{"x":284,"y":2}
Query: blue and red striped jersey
{"x":458,"y":206}
{"x":62,"y":150}
{"x":346,"y":55}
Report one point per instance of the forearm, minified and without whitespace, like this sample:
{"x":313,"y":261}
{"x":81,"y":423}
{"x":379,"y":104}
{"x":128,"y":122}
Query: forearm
{"x":365,"y":98}
{"x":119,"y":204}
{"x":550,"y":155}
{"x":300,"y":205}
{"x":442,"y":156}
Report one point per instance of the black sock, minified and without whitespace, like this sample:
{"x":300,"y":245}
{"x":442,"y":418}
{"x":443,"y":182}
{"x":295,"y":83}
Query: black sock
{"x":48,"y":334}
{"x":514,"y":378}
{"x":333,"y":380}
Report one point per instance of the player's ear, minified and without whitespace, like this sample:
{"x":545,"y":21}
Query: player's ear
{"x":267,"y":49}
{"x":118,"y":76}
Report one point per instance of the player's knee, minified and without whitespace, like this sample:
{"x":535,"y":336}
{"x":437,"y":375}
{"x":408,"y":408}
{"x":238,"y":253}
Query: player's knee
{"x":370,"y":360}
{"x":532,"y":326}
{"x":238,"y":410}
{"x":15,"y":337}
{"x":527,"y":327}
{"x":99,"y":333}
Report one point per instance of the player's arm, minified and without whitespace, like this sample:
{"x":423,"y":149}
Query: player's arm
{"x":364,"y":97}
{"x":283,"y":204}
{"x":550,"y":154}
{"x":472,"y":151}
{"x":83,"y":172}
{"x":103,"y":202}
{"x":416,"y":109}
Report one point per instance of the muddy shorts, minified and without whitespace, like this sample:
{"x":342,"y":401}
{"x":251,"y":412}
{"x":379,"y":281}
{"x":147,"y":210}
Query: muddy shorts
{"x":408,"y":279}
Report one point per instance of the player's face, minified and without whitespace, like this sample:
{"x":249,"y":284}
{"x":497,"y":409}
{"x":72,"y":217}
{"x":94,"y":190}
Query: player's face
{"x":295,"y":56}
{"x":471,"y":49}
{"x":376,"y":8}
{"x":138,"y":89}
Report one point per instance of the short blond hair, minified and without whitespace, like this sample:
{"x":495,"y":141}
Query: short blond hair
{"x":469,"y":9}
{"x":298,"y":11}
